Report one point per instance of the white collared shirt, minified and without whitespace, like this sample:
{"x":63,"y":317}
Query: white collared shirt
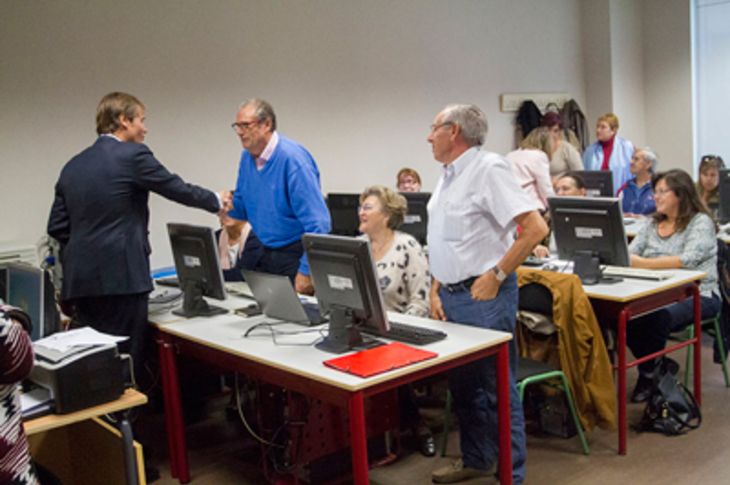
{"x":268,"y":151}
{"x":471,"y":215}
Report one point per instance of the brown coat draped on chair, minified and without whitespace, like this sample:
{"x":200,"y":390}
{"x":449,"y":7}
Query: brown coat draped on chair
{"x":583,"y":355}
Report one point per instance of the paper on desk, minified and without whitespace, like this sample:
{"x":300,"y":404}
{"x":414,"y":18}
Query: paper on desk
{"x":32,"y":400}
{"x":63,"y":341}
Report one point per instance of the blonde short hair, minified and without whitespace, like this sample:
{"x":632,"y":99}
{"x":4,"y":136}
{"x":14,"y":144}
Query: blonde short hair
{"x":610,"y":119}
{"x":394,"y":205}
{"x":539,"y":139}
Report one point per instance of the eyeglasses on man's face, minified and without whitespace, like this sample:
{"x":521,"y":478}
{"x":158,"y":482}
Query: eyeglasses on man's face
{"x":440,"y":125}
{"x":244,"y":125}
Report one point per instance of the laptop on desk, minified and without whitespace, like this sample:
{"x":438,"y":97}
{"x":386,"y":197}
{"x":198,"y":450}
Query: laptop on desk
{"x":277,"y":299}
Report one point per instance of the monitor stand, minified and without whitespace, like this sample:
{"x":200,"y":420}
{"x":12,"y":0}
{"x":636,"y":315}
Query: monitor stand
{"x":194,"y":305}
{"x":588,"y":268}
{"x":343,"y":333}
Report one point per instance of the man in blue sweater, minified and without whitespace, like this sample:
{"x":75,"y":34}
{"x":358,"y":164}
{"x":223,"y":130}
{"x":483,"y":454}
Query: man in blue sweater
{"x":278,"y":192}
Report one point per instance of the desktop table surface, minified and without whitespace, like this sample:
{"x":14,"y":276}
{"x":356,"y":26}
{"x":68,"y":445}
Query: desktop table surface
{"x":300,"y":357}
{"x":131,"y":398}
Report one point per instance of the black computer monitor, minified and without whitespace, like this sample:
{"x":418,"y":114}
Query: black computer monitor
{"x":343,"y":273}
{"x":589,"y":226}
{"x":599,"y":183}
{"x":723,"y":188}
{"x":30,"y":289}
{"x":415,"y":222}
{"x":198,"y":269}
{"x":343,"y":211}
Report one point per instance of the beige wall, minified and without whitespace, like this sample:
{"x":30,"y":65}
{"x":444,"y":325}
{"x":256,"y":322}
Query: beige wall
{"x":358,"y":83}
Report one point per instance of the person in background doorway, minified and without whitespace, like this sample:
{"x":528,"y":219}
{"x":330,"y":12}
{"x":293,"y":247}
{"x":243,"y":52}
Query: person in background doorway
{"x":408,"y":180}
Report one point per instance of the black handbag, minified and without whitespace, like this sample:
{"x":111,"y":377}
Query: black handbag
{"x":671,"y":408}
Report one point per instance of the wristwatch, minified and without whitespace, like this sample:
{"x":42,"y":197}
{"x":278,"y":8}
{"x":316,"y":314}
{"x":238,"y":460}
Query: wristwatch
{"x":500,"y":275}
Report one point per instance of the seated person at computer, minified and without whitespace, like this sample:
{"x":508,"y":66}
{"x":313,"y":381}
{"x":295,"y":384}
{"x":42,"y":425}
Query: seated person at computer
{"x":566,"y":185}
{"x":408,"y":180}
{"x":681,"y":234}
{"x":637,"y":196}
{"x":531,"y":166}
{"x":404,"y":278}
{"x":238,"y":247}
{"x":707,"y":185}
{"x":16,"y":361}
{"x":610,"y":152}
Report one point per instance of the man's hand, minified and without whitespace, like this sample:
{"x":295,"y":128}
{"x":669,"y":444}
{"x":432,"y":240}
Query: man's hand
{"x":485,"y":287}
{"x":437,"y":309}
{"x":303,"y":284}
{"x":227,"y":200}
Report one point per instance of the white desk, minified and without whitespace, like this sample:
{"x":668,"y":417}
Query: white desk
{"x":219,"y":340}
{"x":630,"y":298}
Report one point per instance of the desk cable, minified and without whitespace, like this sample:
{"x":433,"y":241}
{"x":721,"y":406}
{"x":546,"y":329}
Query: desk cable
{"x":274,"y":332}
{"x":245,"y":422}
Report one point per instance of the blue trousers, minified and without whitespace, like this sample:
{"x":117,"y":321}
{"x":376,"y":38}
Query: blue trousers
{"x":474,"y":386}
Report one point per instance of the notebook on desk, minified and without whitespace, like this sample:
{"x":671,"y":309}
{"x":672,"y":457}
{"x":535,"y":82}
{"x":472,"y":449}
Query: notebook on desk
{"x":384,"y":358}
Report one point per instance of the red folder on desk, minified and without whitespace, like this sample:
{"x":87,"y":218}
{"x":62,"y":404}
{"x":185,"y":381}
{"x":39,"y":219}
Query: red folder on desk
{"x":370,"y":362}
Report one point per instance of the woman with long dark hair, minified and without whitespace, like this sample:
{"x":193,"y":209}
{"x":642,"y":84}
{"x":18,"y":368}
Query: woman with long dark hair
{"x":681,"y":234}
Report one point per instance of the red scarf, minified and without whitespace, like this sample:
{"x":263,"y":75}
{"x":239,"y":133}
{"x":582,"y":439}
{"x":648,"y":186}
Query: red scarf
{"x":607,"y":150}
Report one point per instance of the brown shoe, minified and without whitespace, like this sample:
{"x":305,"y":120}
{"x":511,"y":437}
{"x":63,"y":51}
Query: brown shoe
{"x":457,"y":472}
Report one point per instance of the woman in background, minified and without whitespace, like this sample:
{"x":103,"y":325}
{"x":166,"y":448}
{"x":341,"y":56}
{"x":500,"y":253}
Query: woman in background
{"x":565,"y":156}
{"x":610,"y":152}
{"x":408,"y":180}
{"x":531,"y":165}
{"x":681,"y":235}
{"x":637,"y":196}
{"x":404,"y":280}
{"x":709,"y":181}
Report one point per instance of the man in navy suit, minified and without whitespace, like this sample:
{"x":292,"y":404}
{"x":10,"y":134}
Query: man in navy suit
{"x":100,"y":217}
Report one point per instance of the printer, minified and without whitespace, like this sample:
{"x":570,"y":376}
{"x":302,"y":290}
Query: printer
{"x":80,"y":377}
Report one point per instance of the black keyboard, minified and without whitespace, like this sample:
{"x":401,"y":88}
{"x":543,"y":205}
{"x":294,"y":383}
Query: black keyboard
{"x":411,"y":334}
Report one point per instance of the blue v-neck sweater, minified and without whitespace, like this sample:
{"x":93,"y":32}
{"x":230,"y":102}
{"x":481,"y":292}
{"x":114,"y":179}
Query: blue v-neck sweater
{"x":283,"y":200}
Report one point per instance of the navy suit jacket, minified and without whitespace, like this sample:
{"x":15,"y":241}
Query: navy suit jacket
{"x":100,"y":217}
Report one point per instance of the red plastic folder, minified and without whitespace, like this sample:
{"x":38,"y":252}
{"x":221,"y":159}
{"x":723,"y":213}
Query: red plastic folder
{"x":370,"y":362}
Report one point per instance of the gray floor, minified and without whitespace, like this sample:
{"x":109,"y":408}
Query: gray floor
{"x":220,"y":453}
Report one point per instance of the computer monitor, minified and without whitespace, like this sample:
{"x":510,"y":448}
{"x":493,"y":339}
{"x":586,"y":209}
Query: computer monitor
{"x":589,"y":225}
{"x":599,"y":183}
{"x":723,"y":188}
{"x":415,"y":222}
{"x":30,"y":289}
{"x":198,"y":269}
{"x":343,"y":273}
{"x":343,"y":211}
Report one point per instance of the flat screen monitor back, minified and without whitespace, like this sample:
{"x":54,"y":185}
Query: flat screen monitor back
{"x":344,"y":213}
{"x":599,"y":183}
{"x":415,"y":221}
{"x":347,"y":285}
{"x":30,"y":289}
{"x":198,"y":268}
{"x":589,"y":224}
{"x":723,"y":211}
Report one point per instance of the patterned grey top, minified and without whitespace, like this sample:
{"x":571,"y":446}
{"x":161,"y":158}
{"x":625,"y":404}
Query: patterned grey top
{"x":696,"y":247}
{"x":404,"y":277}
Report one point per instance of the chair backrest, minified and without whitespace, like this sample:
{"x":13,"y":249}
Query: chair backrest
{"x":534,"y":297}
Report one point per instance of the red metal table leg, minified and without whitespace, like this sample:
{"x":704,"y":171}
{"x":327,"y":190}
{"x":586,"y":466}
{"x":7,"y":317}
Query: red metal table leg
{"x":697,"y":344}
{"x":358,"y":439}
{"x":621,"y":344}
{"x":176,"y":431}
{"x":503,"y":413}
{"x":163,"y":349}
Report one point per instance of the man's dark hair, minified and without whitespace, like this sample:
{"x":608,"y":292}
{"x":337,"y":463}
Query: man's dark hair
{"x":111,"y":106}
